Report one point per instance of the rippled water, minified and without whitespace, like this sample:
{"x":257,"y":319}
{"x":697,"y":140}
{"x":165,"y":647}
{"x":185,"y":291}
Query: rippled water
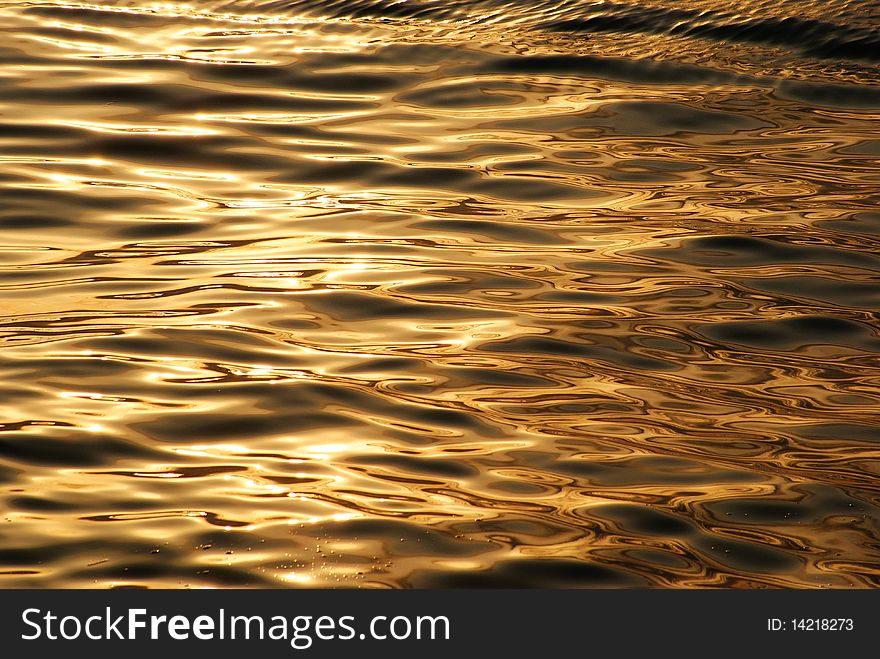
{"x":385,"y":294}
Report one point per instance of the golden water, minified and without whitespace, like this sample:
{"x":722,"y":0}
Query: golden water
{"x":376,"y":294}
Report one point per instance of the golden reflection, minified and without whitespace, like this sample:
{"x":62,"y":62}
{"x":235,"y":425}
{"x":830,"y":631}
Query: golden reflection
{"x":324,"y":294}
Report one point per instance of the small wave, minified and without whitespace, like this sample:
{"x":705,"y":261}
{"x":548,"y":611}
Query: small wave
{"x":810,"y":37}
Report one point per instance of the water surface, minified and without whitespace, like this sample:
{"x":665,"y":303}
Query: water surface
{"x":462,"y":293}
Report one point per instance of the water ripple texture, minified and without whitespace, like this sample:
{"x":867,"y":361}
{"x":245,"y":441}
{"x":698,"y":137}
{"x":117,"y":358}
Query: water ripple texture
{"x":386,"y":294}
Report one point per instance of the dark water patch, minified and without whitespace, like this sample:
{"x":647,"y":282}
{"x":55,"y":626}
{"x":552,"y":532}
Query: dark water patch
{"x":864,"y":147}
{"x":101,"y":16}
{"x":795,"y":333}
{"x":496,"y":231}
{"x":75,"y":367}
{"x":303,"y":75}
{"x":31,"y":131}
{"x":377,"y":173}
{"x":519,"y":488}
{"x":812,"y":504}
{"x":299,"y":406}
{"x":580,"y":298}
{"x":8,"y":474}
{"x":457,"y":281}
{"x":655,"y":557}
{"x":405,"y":539}
{"x":551,"y":346}
{"x":643,"y":520}
{"x":488,"y":377}
{"x":384,"y":365}
{"x":39,"y":504}
{"x":532,"y":573}
{"x":351,"y":306}
{"x":58,"y":551}
{"x":641,"y":118}
{"x":656,"y":470}
{"x":184,"y":98}
{"x":74,"y":449}
{"x":640,"y":71}
{"x":651,"y":118}
{"x":236,"y":427}
{"x":532,"y":188}
{"x":476,"y":152}
{"x":215,"y":345}
{"x":751,"y":556}
{"x":738,"y":250}
{"x":25,"y":222}
{"x":812,"y":37}
{"x":431,"y":416}
{"x":738,"y":554}
{"x":864,"y":223}
{"x":40,"y":201}
{"x":431,"y":466}
{"x":466,"y":94}
{"x":845,"y":294}
{"x":860,"y":432}
{"x":828,"y":94}
{"x":162,"y":229}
